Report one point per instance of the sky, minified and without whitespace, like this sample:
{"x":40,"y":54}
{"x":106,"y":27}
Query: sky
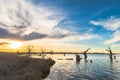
{"x":60,"y":25}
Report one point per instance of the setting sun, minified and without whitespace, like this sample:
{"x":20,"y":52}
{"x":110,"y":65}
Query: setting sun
{"x":15,"y":45}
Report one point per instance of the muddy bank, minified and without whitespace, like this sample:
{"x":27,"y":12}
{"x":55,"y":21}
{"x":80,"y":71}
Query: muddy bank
{"x":13,"y":67}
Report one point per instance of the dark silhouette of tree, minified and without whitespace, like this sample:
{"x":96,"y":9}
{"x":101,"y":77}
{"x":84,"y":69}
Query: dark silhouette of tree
{"x":110,"y":53}
{"x":29,"y":49}
{"x":42,"y":52}
{"x":51,"y":52}
{"x":17,"y":52}
{"x":85,"y":53}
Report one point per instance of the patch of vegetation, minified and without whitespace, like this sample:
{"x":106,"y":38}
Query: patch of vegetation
{"x":23,"y":68}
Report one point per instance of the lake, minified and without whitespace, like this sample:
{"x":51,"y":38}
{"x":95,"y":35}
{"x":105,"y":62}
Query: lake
{"x":101,"y":68}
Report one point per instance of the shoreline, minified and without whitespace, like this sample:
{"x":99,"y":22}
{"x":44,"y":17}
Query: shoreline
{"x":19,"y":53}
{"x":13,"y":67}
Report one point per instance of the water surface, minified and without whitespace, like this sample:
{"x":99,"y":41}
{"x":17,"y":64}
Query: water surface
{"x":101,"y":68}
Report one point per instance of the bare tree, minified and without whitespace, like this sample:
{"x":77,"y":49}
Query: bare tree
{"x":29,"y":49}
{"x":85,"y":53}
{"x":51,"y":52}
{"x":42,"y":52}
{"x":110,"y":52}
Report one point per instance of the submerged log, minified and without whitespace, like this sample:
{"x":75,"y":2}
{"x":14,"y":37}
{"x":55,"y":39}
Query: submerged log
{"x":78,"y":58}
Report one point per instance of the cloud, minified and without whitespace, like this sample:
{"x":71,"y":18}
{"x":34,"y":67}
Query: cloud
{"x":23,"y":17}
{"x":5,"y":34}
{"x":23,"y":20}
{"x":77,"y":37}
{"x":115,"y":38}
{"x":115,"y":45}
{"x":4,"y":43}
{"x":57,"y":45}
{"x":34,"y":35}
{"x":111,"y":23}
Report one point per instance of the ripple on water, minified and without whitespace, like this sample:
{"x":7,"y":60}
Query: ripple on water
{"x":101,"y":68}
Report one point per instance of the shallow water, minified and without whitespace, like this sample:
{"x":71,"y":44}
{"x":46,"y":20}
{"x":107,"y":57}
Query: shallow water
{"x":101,"y":68}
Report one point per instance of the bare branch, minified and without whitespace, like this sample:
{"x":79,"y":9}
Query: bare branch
{"x":29,"y":49}
{"x":42,"y":50}
{"x":85,"y":53}
{"x":107,"y":50}
{"x":110,"y":52}
{"x":86,"y":50}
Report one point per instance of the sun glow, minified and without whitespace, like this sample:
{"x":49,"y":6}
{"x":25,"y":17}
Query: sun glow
{"x":15,"y":45}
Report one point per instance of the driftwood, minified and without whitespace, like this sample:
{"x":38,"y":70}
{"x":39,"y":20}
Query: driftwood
{"x":110,"y":51}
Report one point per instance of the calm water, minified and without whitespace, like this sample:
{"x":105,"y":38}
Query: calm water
{"x":101,"y":68}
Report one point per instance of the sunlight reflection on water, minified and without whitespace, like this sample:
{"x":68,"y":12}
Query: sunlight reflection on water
{"x":101,"y":68}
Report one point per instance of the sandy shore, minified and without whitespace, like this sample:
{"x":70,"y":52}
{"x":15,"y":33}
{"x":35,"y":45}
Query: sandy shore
{"x":13,"y":67}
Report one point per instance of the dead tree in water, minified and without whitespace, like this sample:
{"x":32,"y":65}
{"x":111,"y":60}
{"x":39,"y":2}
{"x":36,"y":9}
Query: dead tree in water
{"x":85,"y":53}
{"x":110,"y":51}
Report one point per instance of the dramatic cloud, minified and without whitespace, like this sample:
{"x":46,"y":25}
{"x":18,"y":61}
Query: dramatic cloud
{"x":23,"y":17}
{"x":111,"y":23}
{"x":34,"y":35}
{"x":23,"y":20}
{"x":7,"y":35}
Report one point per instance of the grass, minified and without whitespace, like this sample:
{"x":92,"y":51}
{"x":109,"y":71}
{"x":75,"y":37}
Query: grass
{"x":13,"y":67}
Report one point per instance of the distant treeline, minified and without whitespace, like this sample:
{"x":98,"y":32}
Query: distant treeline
{"x":53,"y":53}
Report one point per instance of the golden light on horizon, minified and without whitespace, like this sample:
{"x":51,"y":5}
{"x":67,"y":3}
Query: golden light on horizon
{"x":15,"y":45}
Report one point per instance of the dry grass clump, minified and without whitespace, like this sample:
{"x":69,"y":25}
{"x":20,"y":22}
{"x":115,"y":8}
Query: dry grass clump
{"x":13,"y":67}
